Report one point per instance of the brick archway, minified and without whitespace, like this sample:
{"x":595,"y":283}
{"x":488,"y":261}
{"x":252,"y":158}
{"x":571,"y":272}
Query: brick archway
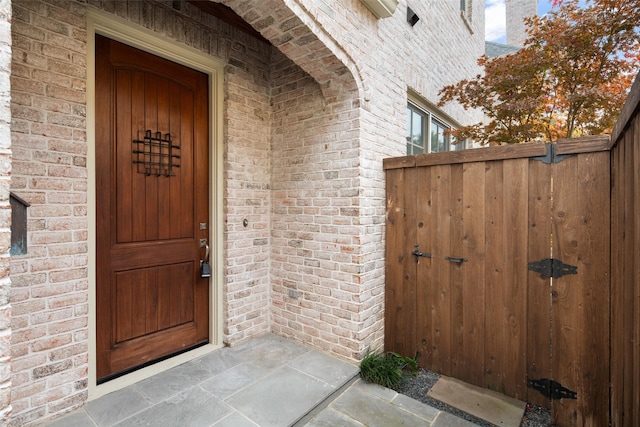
{"x":300,"y":37}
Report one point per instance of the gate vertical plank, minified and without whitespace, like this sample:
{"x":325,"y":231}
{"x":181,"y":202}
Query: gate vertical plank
{"x":514,"y":312}
{"x":399,"y":310}
{"x":473,"y":279}
{"x":409,"y":271}
{"x":424,"y":291}
{"x":622,"y":322}
{"x":625,"y":279}
{"x":409,"y":276}
{"x":618,"y":300}
{"x":457,"y":272}
{"x":507,"y":218}
{"x":581,"y":301}
{"x":634,"y":178}
{"x":494,"y":275}
{"x":538,"y":288}
{"x":440,"y":300}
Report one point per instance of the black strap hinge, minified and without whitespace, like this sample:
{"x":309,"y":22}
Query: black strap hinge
{"x":552,"y":156}
{"x":550,"y":267}
{"x":551,"y":389}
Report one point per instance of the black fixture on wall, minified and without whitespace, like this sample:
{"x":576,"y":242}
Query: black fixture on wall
{"x":412,"y":18}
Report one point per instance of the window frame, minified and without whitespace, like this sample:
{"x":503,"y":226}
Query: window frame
{"x":466,"y":13}
{"x":428,"y":117}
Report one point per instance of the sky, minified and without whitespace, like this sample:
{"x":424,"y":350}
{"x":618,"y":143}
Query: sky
{"x":495,"y":18}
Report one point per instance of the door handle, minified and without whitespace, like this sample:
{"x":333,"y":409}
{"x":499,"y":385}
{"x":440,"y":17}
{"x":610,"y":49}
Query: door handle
{"x":205,"y":267}
{"x":205,"y":245}
{"x":455,"y":259}
{"x":416,"y":252}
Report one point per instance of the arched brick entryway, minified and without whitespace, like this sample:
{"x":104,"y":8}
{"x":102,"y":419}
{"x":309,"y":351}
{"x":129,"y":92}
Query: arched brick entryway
{"x":295,"y":32}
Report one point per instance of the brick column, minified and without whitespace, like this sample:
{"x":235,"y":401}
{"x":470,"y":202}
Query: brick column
{"x":5,"y":210}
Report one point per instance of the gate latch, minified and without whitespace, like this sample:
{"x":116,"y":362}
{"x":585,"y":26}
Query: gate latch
{"x":552,"y":389}
{"x":416,"y":252}
{"x":550,"y":267}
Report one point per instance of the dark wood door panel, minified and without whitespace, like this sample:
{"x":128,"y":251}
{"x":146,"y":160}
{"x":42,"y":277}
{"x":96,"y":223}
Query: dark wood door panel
{"x":140,"y":351}
{"x":146,"y":254}
{"x":145,"y":207}
{"x":151,"y":299}
{"x":152,"y":175}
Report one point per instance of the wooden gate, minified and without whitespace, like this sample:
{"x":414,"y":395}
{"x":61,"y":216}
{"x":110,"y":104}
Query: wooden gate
{"x":467,"y":285}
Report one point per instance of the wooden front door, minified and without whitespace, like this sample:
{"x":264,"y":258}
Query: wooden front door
{"x":152,"y":176}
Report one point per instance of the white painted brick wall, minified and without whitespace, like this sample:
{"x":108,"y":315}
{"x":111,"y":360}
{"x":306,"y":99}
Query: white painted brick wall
{"x":303,"y":150}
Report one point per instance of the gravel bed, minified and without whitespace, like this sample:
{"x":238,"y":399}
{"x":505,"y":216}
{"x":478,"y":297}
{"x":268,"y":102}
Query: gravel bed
{"x":417,"y":386}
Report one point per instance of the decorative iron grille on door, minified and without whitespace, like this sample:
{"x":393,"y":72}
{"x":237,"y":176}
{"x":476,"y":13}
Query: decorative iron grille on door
{"x":155,"y":154}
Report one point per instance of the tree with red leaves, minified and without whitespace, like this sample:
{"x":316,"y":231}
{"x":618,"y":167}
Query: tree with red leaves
{"x":571,"y":78}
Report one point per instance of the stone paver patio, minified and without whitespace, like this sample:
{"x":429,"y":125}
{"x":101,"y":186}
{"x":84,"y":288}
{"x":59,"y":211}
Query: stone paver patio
{"x":269,"y":381}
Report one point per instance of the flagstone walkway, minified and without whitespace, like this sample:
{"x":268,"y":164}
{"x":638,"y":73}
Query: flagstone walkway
{"x":269,"y":381}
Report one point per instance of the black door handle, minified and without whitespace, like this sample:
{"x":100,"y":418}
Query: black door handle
{"x":416,"y":252}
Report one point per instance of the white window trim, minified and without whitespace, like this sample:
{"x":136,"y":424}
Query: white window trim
{"x":467,"y":14}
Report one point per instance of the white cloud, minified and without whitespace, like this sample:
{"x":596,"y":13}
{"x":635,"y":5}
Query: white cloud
{"x":495,"y":20}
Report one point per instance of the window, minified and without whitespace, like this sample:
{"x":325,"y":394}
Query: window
{"x":466,"y":10}
{"x":415,"y":132}
{"x":439,"y":140}
{"x":426,"y":132}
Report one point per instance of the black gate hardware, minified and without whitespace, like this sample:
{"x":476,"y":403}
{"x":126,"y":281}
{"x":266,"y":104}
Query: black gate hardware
{"x":454,"y":259}
{"x":549,"y":267}
{"x":551,"y":389}
{"x":416,"y":252}
{"x":551,"y":156}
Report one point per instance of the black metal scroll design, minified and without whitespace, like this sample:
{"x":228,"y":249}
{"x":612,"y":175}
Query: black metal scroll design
{"x":155,"y":154}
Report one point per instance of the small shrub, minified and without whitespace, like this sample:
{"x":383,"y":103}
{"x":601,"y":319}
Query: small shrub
{"x":386,"y":369}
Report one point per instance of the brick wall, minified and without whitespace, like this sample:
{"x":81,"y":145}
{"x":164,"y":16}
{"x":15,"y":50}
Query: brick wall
{"x":247,"y":169}
{"x":306,"y":126}
{"x":516,"y":11}
{"x":315,"y":224}
{"x":49,"y":284}
{"x":5,"y":211}
{"x":328,"y":185}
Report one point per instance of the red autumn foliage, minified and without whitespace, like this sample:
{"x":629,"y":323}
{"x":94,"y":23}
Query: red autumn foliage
{"x":571,"y":77}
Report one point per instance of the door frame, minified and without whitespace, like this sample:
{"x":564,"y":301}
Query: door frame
{"x":133,"y":35}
